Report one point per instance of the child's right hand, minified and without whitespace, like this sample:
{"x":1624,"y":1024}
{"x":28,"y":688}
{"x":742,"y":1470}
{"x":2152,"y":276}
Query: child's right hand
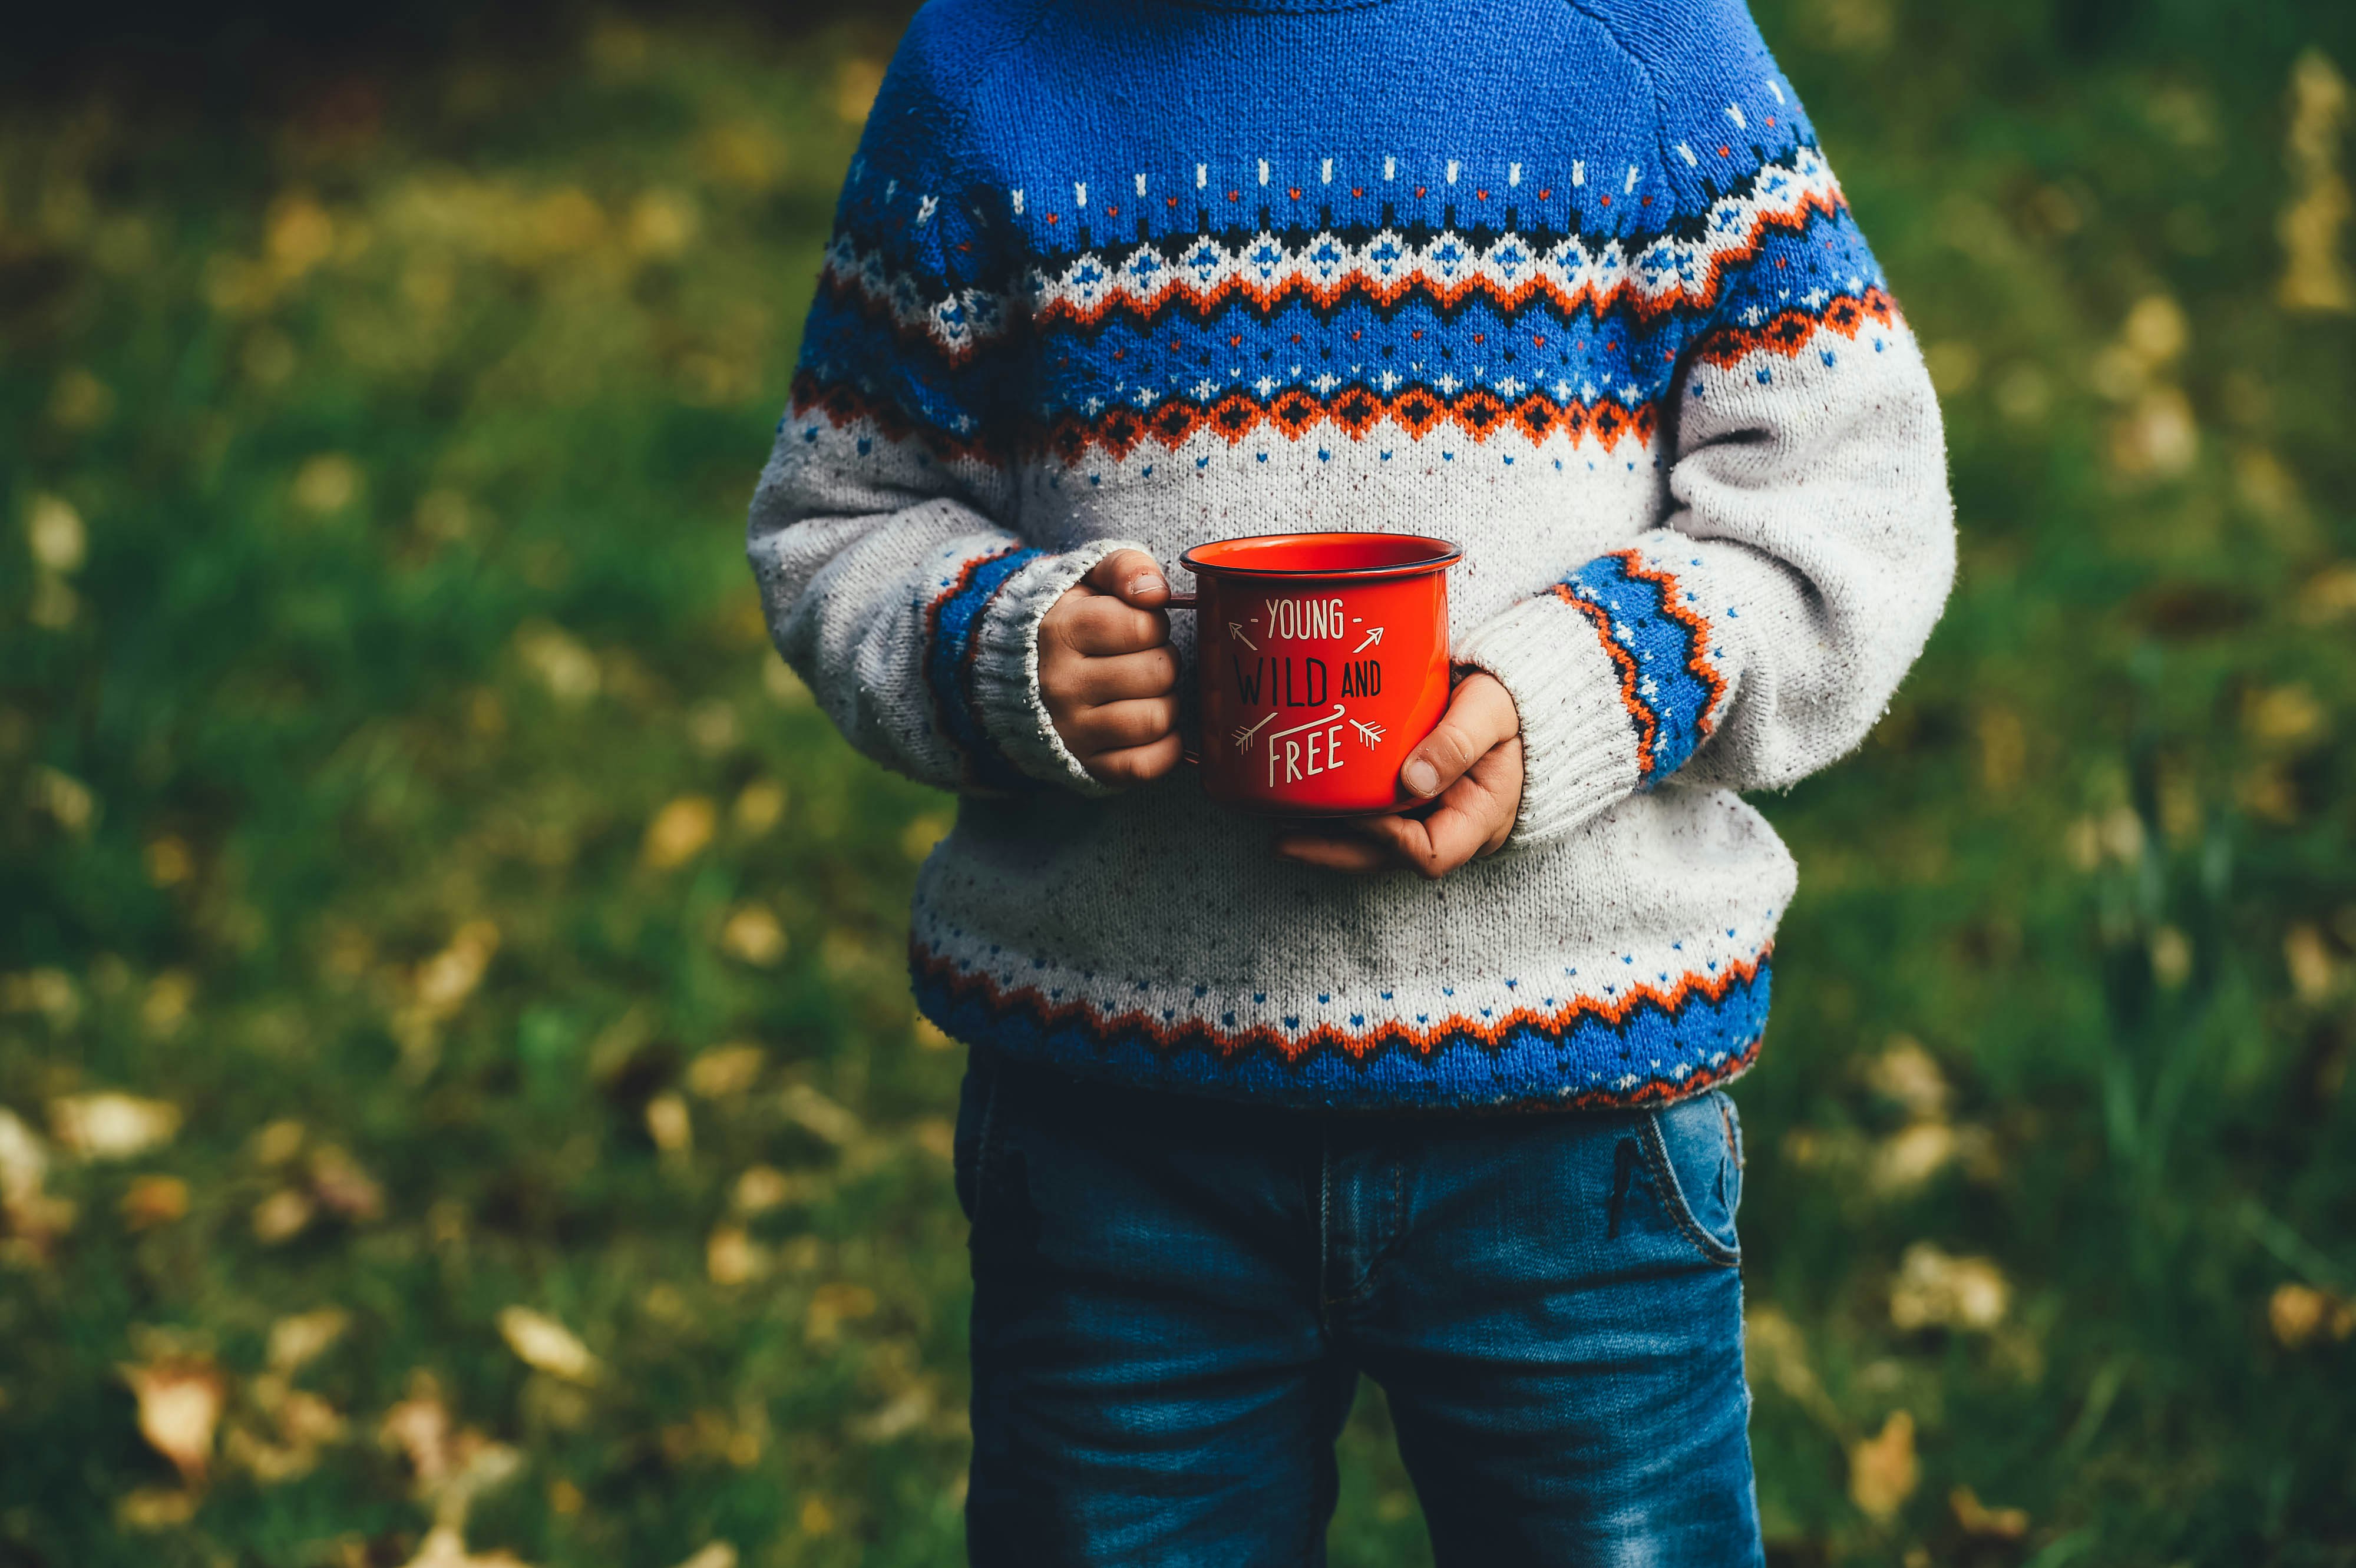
{"x":1107,"y":671}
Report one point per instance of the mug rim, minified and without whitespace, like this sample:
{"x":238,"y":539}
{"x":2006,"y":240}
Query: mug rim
{"x":1444,"y":554}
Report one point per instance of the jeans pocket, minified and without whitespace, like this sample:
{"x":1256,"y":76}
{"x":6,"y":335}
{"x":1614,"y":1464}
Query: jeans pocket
{"x":969,"y":1150}
{"x":1692,"y":1151}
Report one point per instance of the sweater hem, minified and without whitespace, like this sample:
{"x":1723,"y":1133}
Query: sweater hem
{"x":1652,"y":1047}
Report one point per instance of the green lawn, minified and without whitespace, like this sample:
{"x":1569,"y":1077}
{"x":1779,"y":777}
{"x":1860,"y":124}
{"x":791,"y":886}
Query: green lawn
{"x":455,"y":1058}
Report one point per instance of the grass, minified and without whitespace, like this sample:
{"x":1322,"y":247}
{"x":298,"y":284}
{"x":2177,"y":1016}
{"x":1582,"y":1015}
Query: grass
{"x":401,"y":818}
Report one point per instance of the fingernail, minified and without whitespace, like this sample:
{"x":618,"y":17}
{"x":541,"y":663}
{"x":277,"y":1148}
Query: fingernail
{"x":1420,"y":776}
{"x":1146,"y":583}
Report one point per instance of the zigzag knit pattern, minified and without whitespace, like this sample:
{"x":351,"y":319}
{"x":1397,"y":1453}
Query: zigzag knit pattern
{"x":1634,"y":1043}
{"x":1589,"y":301}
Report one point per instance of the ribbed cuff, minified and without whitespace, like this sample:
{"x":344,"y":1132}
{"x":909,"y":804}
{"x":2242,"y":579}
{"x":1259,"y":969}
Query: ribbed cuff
{"x":1579,"y":745}
{"x":1006,"y":666}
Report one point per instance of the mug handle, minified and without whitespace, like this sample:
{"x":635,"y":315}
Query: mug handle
{"x":1177,"y":601}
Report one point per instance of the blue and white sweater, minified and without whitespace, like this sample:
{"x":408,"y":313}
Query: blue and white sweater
{"x":1565,"y":280}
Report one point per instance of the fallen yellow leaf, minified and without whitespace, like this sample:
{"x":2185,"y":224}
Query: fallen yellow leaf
{"x":1882,"y":1470}
{"x":34,"y":1217}
{"x":759,"y":807}
{"x":279,"y":1142}
{"x":166,"y":1007}
{"x":445,"y":980}
{"x":916,"y":840}
{"x":1912,"y":1156}
{"x":765,"y":1186}
{"x":730,"y":1257}
{"x":820,"y":1114}
{"x":180,"y":1400}
{"x":668,"y":1123}
{"x":1979,"y":1518}
{"x":54,"y":530}
{"x":752,"y":934}
{"x":111,"y":1126}
{"x":327,"y":483}
{"x":1907,"y":1074}
{"x":156,"y":1507}
{"x":420,"y":1427}
{"x":342,"y":1188}
{"x":282,"y":1216}
{"x":445,"y":1547}
{"x":725,"y":1070}
{"x":297,"y":1341}
{"x":2301,"y":1312}
{"x":153,"y":1200}
{"x":1934,"y":1290}
{"x":679,"y":832}
{"x":833,"y":1304}
{"x":541,"y":1342}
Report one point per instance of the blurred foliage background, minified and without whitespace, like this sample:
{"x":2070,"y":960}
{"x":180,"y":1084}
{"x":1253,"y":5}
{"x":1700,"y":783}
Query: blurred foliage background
{"x":458,"y":1098}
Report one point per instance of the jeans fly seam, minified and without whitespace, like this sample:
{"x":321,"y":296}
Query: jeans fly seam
{"x":1394,"y":1224}
{"x":1325,"y":1229}
{"x":1387,"y":1244}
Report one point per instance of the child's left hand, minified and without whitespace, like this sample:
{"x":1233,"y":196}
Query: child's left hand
{"x":1470,"y":769}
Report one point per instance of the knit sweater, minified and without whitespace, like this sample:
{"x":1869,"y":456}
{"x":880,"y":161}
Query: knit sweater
{"x":1567,"y":282}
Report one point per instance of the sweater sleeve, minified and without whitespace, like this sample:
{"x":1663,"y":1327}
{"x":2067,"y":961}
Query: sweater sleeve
{"x":1756,"y":633}
{"x":883,"y":534}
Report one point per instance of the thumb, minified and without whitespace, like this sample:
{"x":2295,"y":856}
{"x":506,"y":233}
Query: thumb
{"x":1131,"y":576}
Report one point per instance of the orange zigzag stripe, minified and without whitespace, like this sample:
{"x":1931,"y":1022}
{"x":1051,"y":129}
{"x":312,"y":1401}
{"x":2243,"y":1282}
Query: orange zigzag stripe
{"x":1648,"y":726}
{"x":1477,"y":413}
{"x":1387,"y":295}
{"x":845,"y":406}
{"x":1295,"y":412}
{"x":1696,"y":625}
{"x":964,"y":985}
{"x":1790,"y":330}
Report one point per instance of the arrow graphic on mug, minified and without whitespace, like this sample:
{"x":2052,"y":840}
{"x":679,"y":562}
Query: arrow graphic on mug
{"x":1339,"y":710}
{"x":1372,"y":734}
{"x":1243,"y":738}
{"x":1235,"y":630}
{"x":1372,"y":638}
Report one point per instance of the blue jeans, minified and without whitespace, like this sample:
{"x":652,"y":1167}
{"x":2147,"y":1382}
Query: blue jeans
{"x":1173,"y":1298}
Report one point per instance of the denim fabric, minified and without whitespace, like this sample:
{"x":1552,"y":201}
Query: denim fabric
{"x":1173,"y":1298}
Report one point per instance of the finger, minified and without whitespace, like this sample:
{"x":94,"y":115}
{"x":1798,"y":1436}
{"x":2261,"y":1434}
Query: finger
{"x":1480,"y":714}
{"x":1474,"y":818}
{"x":1357,"y":856}
{"x":1136,"y":764}
{"x":1401,"y":840}
{"x":1453,"y":834}
{"x":1433,"y":845}
{"x":1501,"y":774}
{"x":1102,"y":626}
{"x":1130,"y":575}
{"x":1139,"y":722}
{"x":1097,"y":681}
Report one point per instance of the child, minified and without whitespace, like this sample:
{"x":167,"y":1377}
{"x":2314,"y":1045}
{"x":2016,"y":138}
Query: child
{"x":1568,"y":282}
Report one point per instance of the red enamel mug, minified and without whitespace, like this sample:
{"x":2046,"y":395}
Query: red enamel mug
{"x":1323,"y":661}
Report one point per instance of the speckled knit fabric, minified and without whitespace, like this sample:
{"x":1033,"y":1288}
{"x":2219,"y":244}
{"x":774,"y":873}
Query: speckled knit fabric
{"x":1565,"y":280}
